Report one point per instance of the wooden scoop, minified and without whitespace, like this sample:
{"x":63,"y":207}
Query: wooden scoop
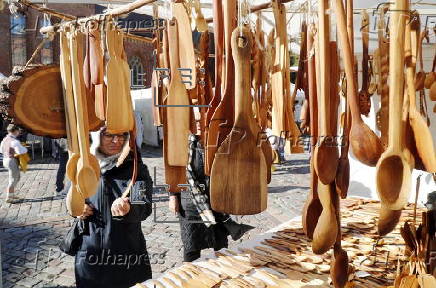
{"x":393,"y":168}
{"x":365,"y":144}
{"x":87,"y":173}
{"x":177,"y":117}
{"x":238,"y":176}
{"x":326,"y":152}
{"x":422,"y":134}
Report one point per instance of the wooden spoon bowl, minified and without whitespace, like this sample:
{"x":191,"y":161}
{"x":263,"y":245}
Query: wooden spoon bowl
{"x":71,"y":168}
{"x":393,"y":180}
{"x":343,"y":177}
{"x":419,"y":80}
{"x":338,"y":274}
{"x":430,"y":78}
{"x":87,"y":179}
{"x":326,"y":160}
{"x":365,"y":144}
{"x":388,"y":220}
{"x":74,"y":201}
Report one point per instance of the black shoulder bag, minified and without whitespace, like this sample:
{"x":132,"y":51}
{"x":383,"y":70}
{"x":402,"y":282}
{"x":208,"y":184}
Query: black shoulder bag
{"x":73,"y":240}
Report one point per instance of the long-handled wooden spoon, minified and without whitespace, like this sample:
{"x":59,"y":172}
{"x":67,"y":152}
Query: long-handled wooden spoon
{"x":365,"y":144}
{"x":87,"y":173}
{"x":326,"y":152}
{"x":393,"y":168}
{"x":74,"y":200}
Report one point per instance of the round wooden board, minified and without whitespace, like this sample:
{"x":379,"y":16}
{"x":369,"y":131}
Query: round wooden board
{"x":36,"y":101}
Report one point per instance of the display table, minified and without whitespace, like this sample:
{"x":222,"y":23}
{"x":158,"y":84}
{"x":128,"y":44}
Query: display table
{"x":283,"y":257}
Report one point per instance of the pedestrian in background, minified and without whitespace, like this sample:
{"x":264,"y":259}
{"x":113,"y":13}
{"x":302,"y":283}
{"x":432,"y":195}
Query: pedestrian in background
{"x":62,"y":155}
{"x":11,"y":147}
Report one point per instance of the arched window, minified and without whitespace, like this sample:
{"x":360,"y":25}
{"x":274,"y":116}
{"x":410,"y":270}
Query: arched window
{"x":137,"y":75}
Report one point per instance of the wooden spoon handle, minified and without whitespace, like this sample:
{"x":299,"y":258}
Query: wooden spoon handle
{"x":324,"y":57}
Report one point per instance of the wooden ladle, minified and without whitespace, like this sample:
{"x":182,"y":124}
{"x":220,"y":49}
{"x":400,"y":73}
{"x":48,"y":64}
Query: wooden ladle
{"x":365,"y":144}
{"x":326,"y":152}
{"x":393,"y":168}
{"x":422,"y":134}
{"x":87,"y":173}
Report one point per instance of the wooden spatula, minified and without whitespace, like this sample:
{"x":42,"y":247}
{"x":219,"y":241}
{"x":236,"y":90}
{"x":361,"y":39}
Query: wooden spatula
{"x":177,"y":117}
{"x":238,"y":176}
{"x":186,"y":47}
{"x":117,"y":103}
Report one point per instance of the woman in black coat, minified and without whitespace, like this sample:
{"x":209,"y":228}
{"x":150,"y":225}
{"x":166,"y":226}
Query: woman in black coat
{"x":113,"y":254}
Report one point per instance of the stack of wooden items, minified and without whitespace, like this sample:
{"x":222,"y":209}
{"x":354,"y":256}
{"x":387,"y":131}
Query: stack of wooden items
{"x":284,"y":258}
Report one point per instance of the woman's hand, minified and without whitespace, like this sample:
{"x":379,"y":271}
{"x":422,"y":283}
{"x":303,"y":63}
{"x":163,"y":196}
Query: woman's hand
{"x":120,"y":207}
{"x":174,"y":204}
{"x":88,"y":210}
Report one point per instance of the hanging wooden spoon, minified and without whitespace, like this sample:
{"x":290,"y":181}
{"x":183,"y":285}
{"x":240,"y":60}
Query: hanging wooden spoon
{"x":422,"y":134}
{"x":365,"y":144}
{"x":420,"y":76}
{"x":393,"y":169}
{"x":364,"y":97}
{"x":239,"y":169}
{"x":326,"y":153}
{"x":74,"y":200}
{"x":87,"y":175}
{"x":97,"y":69}
{"x":312,"y":208}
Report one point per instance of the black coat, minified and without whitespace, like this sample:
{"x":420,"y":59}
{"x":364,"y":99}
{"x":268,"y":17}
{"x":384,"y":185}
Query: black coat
{"x":114,"y":254}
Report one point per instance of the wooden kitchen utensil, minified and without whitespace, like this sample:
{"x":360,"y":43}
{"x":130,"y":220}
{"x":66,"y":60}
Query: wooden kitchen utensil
{"x":186,"y":52}
{"x":312,"y":208}
{"x":222,"y":120}
{"x":200,"y":22}
{"x":177,"y":117}
{"x":393,"y":169}
{"x":339,"y":262}
{"x":326,"y":152}
{"x":87,"y":167}
{"x":238,"y":176}
{"x":388,"y":220}
{"x":365,"y":144}
{"x":74,"y":199}
{"x":422,"y":134}
{"x":364,"y":96}
{"x":383,"y":87}
{"x":117,"y":102}
{"x":97,"y":70}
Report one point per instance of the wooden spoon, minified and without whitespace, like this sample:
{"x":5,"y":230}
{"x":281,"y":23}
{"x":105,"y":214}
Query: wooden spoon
{"x":74,"y":200}
{"x":223,"y":118}
{"x":177,"y":116}
{"x":393,"y":168}
{"x":88,"y":169}
{"x":97,"y":72}
{"x":239,"y":169}
{"x":364,"y":96}
{"x":339,"y":262}
{"x":420,"y":76}
{"x":312,"y":208}
{"x":326,"y":153}
{"x":365,"y":144}
{"x":422,"y":134}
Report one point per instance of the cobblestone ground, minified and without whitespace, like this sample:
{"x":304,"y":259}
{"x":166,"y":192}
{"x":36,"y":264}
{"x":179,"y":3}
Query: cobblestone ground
{"x":30,"y":231}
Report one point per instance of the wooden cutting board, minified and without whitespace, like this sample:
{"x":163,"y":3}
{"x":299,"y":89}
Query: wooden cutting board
{"x":178,"y":118}
{"x":238,"y":176}
{"x":186,"y":47}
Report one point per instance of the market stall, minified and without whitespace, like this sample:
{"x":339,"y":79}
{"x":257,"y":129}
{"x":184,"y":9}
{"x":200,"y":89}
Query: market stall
{"x":233,"y":98}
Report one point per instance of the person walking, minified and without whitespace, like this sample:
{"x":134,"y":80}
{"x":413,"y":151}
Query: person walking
{"x":10,"y":147}
{"x":113,"y":253}
{"x":62,"y":155}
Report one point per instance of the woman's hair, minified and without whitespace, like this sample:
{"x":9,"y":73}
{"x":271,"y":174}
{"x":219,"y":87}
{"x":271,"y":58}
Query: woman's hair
{"x":12,"y":128}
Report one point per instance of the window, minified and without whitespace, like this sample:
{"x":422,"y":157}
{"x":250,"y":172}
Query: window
{"x":137,"y":75}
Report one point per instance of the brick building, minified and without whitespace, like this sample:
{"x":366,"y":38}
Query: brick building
{"x":20,"y":36}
